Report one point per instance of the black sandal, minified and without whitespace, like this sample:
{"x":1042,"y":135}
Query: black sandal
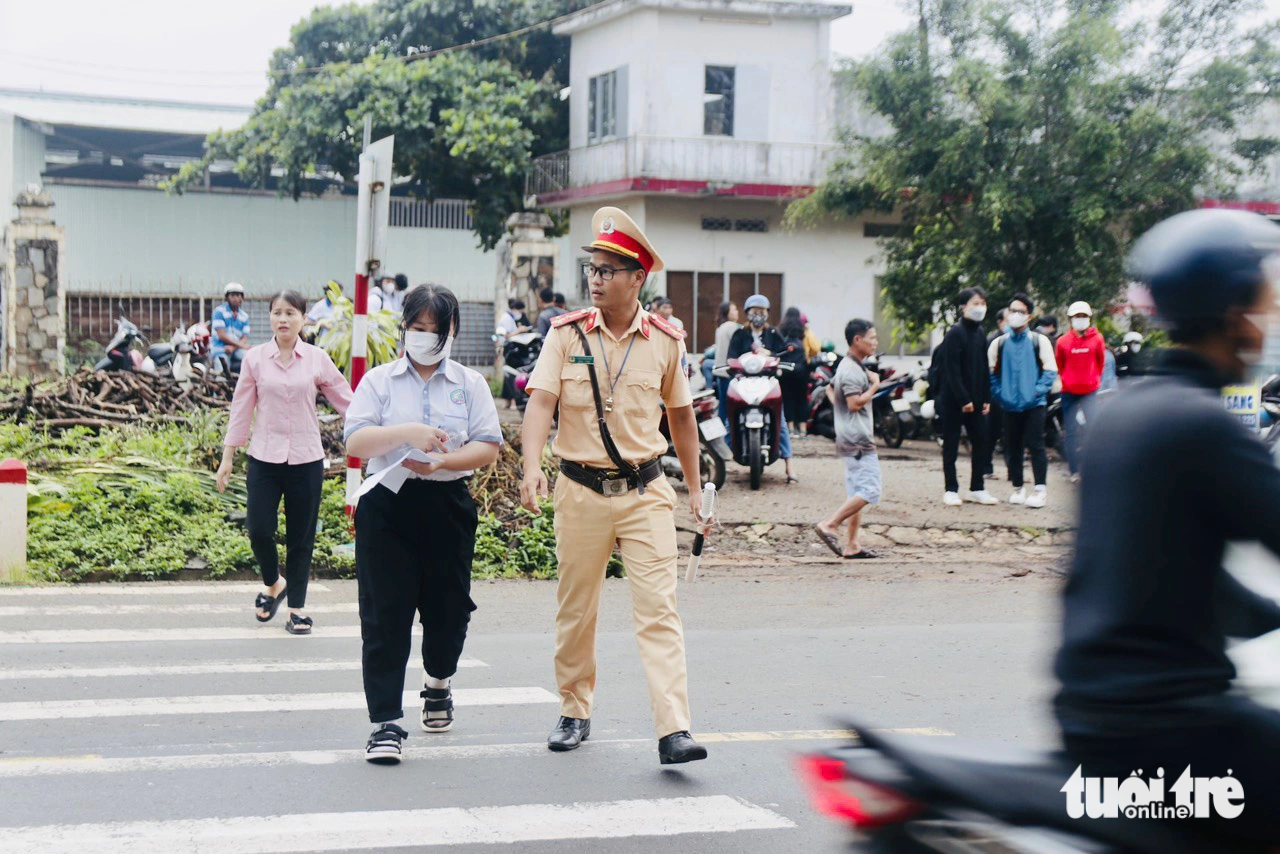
{"x":437,"y":710}
{"x":298,"y":625}
{"x":268,"y":603}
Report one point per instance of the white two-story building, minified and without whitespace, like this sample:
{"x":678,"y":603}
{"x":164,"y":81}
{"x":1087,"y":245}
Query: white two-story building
{"x":702,"y":119}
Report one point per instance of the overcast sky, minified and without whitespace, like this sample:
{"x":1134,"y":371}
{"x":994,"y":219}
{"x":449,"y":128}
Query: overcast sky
{"x":218,"y":52}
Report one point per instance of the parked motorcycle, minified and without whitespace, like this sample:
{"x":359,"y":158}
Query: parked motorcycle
{"x":121,"y":353}
{"x":822,"y":421}
{"x":890,"y":406}
{"x":519,"y":355}
{"x":713,"y":451}
{"x":755,"y":410}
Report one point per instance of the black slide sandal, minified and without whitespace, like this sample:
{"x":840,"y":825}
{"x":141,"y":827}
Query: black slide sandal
{"x":269,"y":604}
{"x":298,"y":625}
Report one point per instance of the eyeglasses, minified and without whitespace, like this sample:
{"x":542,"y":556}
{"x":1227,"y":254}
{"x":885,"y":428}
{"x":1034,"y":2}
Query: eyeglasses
{"x":605,"y":273}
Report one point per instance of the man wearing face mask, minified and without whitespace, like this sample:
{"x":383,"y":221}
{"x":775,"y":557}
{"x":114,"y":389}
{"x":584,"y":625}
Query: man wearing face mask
{"x":1132,"y":360}
{"x":759,"y":335}
{"x":1022,"y":373}
{"x":1169,"y":478}
{"x":964,"y":399}
{"x":1082,"y":357}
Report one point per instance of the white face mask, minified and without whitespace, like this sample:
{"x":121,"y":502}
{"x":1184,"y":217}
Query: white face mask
{"x":1080,"y":324}
{"x":421,"y":347}
{"x":1136,"y":348}
{"x":977,"y":314}
{"x":1016,"y":319}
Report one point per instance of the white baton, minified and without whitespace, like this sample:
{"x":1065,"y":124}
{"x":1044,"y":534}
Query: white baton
{"x":708,"y":509}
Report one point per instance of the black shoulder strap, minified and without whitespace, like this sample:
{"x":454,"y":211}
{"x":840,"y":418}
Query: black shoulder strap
{"x":610,"y":448}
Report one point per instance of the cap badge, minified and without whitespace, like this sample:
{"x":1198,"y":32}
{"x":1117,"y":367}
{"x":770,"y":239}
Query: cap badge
{"x":606,"y":225}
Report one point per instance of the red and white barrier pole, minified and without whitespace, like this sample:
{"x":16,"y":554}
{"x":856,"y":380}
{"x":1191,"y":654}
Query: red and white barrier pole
{"x":360,"y":319}
{"x":13,"y":520}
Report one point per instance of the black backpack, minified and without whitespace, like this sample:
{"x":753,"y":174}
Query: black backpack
{"x":934,"y":376}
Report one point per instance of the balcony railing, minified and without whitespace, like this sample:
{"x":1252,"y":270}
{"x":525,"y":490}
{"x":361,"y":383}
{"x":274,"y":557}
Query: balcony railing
{"x":710,"y":160}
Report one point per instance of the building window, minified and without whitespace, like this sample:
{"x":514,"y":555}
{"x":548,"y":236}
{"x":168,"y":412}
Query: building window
{"x":717,"y":223}
{"x":717,"y":101}
{"x":602,"y":107}
{"x":757,"y":225}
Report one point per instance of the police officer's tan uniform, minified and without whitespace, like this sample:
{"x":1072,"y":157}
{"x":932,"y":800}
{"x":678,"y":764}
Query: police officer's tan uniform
{"x":587,"y":523}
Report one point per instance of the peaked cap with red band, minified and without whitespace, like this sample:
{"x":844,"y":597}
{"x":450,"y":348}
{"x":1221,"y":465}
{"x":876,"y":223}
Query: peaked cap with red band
{"x":618,"y":233}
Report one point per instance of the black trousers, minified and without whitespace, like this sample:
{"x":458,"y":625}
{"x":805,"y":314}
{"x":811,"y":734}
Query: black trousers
{"x":1212,"y":735}
{"x":1024,"y":431}
{"x":975,"y":424}
{"x":413,"y":555}
{"x":300,"y":487}
{"x":795,"y":402}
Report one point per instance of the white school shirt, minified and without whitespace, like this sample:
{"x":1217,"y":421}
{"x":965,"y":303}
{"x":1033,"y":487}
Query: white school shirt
{"x":456,"y":399}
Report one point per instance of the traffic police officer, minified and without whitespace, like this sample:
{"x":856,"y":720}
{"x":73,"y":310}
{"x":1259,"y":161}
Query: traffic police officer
{"x":610,"y":368}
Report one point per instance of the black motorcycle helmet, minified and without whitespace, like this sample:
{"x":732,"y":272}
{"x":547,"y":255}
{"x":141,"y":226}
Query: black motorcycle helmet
{"x":1201,"y":264}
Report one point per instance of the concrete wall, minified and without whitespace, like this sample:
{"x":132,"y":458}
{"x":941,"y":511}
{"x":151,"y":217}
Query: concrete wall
{"x":828,"y":272}
{"x":144,"y":241}
{"x":783,"y":79}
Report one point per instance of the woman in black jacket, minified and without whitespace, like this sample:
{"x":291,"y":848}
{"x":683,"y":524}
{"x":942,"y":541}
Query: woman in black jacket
{"x":964,"y":398}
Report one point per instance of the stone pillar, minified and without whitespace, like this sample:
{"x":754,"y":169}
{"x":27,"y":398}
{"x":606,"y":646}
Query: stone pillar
{"x":31,"y":289}
{"x":526,"y":261}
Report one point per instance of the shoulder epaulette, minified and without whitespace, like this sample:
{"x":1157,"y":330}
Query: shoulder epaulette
{"x":670,"y":329}
{"x":571,"y":317}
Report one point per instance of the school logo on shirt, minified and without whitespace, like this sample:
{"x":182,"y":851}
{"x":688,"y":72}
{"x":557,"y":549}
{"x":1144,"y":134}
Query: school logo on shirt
{"x":458,"y":396}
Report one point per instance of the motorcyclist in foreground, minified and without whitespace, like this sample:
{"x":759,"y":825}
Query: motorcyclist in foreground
{"x":1169,"y":478}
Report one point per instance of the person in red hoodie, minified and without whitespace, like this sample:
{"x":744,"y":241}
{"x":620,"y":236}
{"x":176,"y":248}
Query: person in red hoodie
{"x":1081,"y":354}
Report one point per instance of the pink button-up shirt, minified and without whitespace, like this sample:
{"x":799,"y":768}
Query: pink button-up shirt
{"x":283,"y":397}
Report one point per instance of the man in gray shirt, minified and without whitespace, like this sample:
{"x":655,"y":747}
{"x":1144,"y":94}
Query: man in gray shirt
{"x":548,"y":311}
{"x":850,"y":392}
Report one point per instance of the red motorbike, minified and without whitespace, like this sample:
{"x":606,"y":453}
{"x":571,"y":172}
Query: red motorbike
{"x":755,"y":410}
{"x":712,"y":451}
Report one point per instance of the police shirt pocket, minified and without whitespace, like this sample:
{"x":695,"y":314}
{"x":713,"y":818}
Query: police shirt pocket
{"x":642,"y":392}
{"x":575,"y":387}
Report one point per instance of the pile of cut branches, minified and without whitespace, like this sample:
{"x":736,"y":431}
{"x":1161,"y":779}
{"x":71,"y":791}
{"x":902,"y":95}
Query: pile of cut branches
{"x":106,"y":399}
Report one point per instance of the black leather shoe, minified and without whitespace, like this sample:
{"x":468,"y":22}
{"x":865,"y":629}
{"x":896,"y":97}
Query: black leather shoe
{"x":679,"y":747}
{"x":569,"y":733}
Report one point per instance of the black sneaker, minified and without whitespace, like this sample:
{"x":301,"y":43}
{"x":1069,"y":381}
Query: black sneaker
{"x":384,"y":745}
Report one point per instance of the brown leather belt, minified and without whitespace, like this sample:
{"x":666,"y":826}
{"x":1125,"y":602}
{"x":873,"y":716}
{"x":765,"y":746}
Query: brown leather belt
{"x":611,"y":482}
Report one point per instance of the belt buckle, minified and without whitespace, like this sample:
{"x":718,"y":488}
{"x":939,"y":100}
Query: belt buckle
{"x":615,"y":487}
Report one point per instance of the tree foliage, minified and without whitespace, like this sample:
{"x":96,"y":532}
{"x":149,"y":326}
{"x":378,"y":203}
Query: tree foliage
{"x":466,"y":122}
{"x":1028,"y":142}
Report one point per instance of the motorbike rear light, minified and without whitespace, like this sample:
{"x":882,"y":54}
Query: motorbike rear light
{"x":837,"y":794}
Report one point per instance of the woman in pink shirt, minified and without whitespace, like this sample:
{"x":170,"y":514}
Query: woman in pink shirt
{"x":277,"y":393}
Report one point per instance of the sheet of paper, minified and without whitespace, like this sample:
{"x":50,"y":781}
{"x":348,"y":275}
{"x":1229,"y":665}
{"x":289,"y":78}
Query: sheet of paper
{"x":394,"y":476}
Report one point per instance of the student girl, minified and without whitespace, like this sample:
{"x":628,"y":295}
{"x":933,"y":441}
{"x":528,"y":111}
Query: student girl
{"x":276,"y":393}
{"x":414,"y":547}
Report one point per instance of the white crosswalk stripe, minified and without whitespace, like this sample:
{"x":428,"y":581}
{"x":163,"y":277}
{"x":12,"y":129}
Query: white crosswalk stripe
{"x":150,"y":588}
{"x":227,"y":704}
{"x":402,"y":828}
{"x":265,"y":632}
{"x":209,"y":669}
{"x":245,"y":610}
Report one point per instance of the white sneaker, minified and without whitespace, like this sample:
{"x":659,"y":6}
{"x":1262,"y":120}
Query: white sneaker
{"x":952,"y":499}
{"x":982,"y":497}
{"x":1019,"y":496}
{"x":1038,"y":498}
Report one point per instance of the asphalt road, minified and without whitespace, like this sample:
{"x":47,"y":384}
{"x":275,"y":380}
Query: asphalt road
{"x":163,"y":718}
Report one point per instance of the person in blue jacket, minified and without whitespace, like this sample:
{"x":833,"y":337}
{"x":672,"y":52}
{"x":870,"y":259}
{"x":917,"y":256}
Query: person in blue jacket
{"x":1023,"y":370}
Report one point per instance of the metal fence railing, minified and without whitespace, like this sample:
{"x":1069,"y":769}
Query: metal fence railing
{"x":422,"y":213}
{"x":92,"y":317}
